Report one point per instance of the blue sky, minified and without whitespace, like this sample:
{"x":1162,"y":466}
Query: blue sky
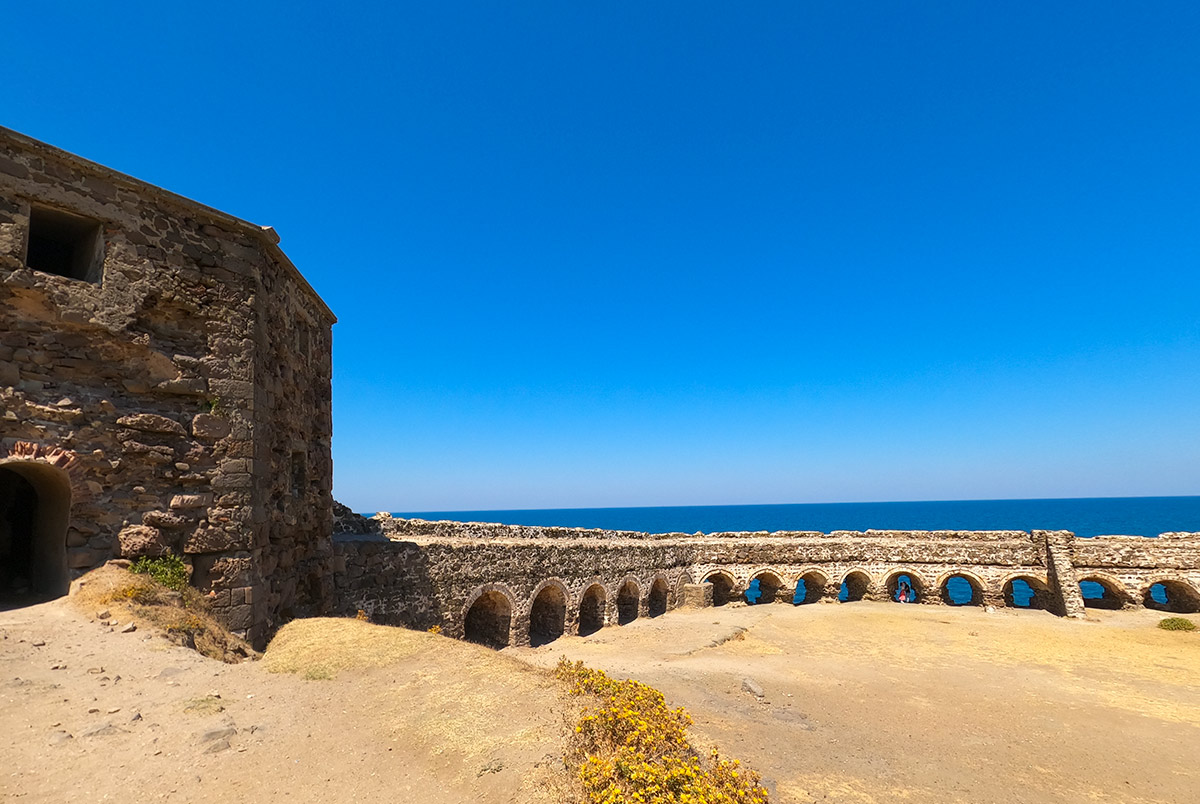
{"x":692,"y":253}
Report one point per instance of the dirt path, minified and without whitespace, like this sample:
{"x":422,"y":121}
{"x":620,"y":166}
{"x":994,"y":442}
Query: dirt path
{"x":876,"y":702}
{"x":89,"y":714}
{"x":861,"y":703}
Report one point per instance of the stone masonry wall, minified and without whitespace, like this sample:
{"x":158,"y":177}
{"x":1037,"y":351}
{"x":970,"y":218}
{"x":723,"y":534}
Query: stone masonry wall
{"x":419,"y":574}
{"x":294,"y":477}
{"x":163,"y":381}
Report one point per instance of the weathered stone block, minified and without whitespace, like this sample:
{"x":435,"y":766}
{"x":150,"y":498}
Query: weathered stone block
{"x":698,"y":595}
{"x":140,"y":540}
{"x":190,"y":501}
{"x":210,"y":427}
{"x":152,"y":423}
{"x":239,"y":616}
{"x":163,"y":519}
{"x":222,"y":481}
{"x":215,"y":540}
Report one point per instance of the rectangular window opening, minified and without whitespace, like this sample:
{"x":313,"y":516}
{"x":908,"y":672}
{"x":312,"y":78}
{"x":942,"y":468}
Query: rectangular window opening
{"x":64,"y":244}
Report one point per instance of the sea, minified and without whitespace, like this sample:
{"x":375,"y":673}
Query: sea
{"x":1085,"y":516}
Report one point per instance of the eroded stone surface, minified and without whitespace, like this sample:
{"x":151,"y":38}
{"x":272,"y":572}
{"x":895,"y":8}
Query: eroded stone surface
{"x":185,"y":372}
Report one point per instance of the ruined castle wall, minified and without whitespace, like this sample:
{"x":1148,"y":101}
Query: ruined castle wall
{"x":433,"y":583}
{"x":420,"y":574}
{"x":148,"y":375}
{"x":294,"y":467}
{"x":1132,"y":564}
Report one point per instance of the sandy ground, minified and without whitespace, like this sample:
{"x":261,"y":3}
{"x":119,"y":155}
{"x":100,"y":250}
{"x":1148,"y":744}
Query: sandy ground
{"x":878,"y":702}
{"x":96,"y":715}
{"x":869,"y":702}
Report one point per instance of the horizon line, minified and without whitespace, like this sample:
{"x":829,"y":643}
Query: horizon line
{"x":775,"y":505}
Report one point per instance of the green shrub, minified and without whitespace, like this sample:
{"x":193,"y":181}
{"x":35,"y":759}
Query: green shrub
{"x":1177,"y":624}
{"x":170,"y":571}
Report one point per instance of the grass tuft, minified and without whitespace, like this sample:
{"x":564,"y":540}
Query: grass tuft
{"x":1177,"y":624}
{"x":183,"y":615}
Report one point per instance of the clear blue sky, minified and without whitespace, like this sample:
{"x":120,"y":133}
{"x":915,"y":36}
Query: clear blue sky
{"x":634,"y":253}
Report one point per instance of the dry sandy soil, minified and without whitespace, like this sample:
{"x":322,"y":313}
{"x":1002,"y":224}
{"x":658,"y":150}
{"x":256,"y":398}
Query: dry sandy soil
{"x":870,"y":702}
{"x":879,"y":702}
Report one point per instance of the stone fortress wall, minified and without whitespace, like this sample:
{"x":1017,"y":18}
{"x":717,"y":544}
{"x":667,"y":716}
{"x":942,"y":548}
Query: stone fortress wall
{"x":164,"y":386}
{"x":504,"y":584}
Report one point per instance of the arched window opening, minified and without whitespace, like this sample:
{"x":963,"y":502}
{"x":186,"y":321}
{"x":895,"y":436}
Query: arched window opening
{"x":35,"y":506}
{"x":657,"y":604}
{"x":489,"y":620}
{"x":959,"y":590}
{"x":1101,"y":594}
{"x":627,"y":603}
{"x":1027,"y":593}
{"x":904,"y":588}
{"x":722,"y":588}
{"x":809,"y":588}
{"x":591,"y":610}
{"x":1174,"y":596}
{"x":854,"y":587}
{"x":547,"y":616}
{"x":763,"y":588}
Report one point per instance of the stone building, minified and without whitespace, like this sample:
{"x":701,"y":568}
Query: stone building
{"x":164,"y":386}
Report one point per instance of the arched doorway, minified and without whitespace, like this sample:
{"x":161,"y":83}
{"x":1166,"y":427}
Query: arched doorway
{"x":657,"y":603}
{"x":591,"y":610}
{"x":1028,"y":592}
{"x":547,"y":615}
{"x":723,"y":587}
{"x":1103,"y":593}
{"x":763,"y":588}
{"x":488,"y":620}
{"x":35,"y":507}
{"x":1172,"y":595}
{"x":915,"y":591}
{"x":809,"y":588}
{"x":962,"y":590}
{"x":855,"y":586}
{"x":627,"y":603}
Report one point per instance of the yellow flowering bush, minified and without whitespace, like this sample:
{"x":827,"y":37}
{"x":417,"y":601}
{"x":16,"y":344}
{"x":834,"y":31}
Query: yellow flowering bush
{"x":631,"y":747}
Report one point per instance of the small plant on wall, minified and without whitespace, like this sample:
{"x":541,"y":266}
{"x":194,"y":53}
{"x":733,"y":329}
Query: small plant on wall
{"x":169,"y":570}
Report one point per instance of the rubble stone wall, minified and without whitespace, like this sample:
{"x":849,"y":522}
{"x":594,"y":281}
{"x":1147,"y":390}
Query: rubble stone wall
{"x":173,"y":382}
{"x":420,"y":574}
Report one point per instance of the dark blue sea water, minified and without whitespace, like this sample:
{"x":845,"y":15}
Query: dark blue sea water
{"x":1091,"y":516}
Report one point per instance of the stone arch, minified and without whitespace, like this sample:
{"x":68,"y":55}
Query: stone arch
{"x":919,"y":584}
{"x":658,"y":599}
{"x":978,"y":587}
{"x":487,"y":615}
{"x":858,"y":585}
{"x":35,"y":510}
{"x":1182,"y":596}
{"x":592,"y":604}
{"x":1116,"y":596}
{"x":724,"y":586}
{"x":628,"y":600}
{"x":769,"y":585}
{"x":548,"y":612}
{"x":1043,"y":597}
{"x":815,"y":582}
